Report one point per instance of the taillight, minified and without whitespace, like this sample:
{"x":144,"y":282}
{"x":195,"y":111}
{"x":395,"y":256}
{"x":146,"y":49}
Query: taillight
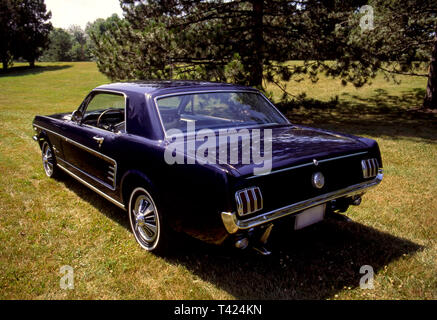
{"x":370,"y":168}
{"x":249,"y":201}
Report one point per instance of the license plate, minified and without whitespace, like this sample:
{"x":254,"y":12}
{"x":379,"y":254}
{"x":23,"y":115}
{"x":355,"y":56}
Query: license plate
{"x":309,"y":217}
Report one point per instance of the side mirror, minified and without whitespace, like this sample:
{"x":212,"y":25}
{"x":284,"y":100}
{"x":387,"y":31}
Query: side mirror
{"x":77,"y":116}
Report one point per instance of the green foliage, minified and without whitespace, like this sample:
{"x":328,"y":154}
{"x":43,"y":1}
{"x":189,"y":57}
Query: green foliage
{"x":59,"y":47}
{"x":215,"y":40}
{"x":236,"y":41}
{"x":401,"y":38}
{"x":98,"y":28}
{"x":24,"y":30}
{"x":247,"y":41}
{"x":68,"y":45}
{"x":7,"y":30}
{"x":80,"y":50}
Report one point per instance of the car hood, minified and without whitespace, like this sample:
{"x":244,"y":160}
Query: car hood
{"x":290,"y":145}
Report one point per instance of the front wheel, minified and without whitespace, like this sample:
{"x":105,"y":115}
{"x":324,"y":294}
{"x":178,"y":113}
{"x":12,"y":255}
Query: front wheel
{"x":147,"y":222}
{"x":48,"y":160}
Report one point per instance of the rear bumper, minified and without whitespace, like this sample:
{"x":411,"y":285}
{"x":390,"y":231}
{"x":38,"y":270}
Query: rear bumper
{"x":233,"y":224}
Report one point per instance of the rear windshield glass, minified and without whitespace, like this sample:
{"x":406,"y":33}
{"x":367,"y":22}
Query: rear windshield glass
{"x":215,"y":110}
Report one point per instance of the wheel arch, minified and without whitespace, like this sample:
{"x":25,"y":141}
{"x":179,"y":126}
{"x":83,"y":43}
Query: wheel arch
{"x":43,"y":136}
{"x":132,"y":179}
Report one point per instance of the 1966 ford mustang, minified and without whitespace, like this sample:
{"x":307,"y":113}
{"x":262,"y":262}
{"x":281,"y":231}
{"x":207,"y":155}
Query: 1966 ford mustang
{"x":216,"y":161}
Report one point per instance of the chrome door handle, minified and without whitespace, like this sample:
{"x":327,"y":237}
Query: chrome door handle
{"x":99,"y":140}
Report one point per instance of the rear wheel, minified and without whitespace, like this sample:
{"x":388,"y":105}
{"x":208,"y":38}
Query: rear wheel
{"x":48,"y":160}
{"x":146,"y":221}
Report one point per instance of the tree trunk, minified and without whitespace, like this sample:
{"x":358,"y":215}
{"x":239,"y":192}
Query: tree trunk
{"x":257,"y":63}
{"x":32,"y":63}
{"x":431,"y":88}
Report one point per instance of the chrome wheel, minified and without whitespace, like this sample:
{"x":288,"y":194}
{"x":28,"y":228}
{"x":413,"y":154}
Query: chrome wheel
{"x":48,"y":159}
{"x":144,"y":219}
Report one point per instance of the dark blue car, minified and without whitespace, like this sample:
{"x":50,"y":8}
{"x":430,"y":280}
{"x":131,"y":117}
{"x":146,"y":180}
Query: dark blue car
{"x":216,"y":161}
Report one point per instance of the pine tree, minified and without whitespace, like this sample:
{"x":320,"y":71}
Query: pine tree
{"x":249,"y":42}
{"x":401,"y":42}
{"x":236,"y":41}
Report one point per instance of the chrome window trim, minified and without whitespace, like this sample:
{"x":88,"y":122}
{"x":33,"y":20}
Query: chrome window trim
{"x":101,"y":155}
{"x":310,"y":164}
{"x":274,"y":107}
{"x":125,"y":106}
{"x":117,"y":203}
{"x":155,"y":101}
{"x":233,"y":224}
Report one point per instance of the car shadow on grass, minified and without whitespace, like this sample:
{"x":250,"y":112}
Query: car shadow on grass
{"x":102,"y":205}
{"x":313,"y":263}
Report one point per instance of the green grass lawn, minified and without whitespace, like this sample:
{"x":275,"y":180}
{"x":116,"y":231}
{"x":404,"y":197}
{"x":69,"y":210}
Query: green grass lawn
{"x":46,"y":224}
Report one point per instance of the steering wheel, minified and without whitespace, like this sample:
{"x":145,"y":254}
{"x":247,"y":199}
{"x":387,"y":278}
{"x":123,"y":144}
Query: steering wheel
{"x":106,"y":111}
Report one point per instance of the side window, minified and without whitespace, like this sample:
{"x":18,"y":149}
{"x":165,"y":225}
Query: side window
{"x":102,"y":101}
{"x":169,"y":104}
{"x":106,"y":111}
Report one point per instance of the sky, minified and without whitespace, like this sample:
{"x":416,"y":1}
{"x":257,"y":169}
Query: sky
{"x":78,"y":12}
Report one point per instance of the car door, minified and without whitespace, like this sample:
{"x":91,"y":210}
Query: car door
{"x":88,"y":142}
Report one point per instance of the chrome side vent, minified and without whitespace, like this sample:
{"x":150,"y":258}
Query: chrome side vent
{"x":111,"y":174}
{"x":249,"y":201}
{"x":370,"y":168}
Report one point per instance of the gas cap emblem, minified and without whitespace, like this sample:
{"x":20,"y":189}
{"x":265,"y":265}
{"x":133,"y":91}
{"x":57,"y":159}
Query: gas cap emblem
{"x":318,"y":180}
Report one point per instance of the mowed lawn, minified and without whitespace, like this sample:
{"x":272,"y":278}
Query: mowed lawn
{"x":46,"y":224}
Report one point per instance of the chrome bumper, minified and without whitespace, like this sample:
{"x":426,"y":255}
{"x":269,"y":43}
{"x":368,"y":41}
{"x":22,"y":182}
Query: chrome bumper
{"x":233,"y":224}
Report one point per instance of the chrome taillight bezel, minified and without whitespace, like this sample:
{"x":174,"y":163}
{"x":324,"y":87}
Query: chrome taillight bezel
{"x":370,"y":168}
{"x":249,"y":201}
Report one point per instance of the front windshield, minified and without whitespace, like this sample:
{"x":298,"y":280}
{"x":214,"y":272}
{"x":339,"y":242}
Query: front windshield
{"x":215,"y":110}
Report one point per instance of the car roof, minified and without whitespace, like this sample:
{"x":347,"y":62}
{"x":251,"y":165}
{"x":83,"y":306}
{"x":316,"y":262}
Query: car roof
{"x":158,"y":87}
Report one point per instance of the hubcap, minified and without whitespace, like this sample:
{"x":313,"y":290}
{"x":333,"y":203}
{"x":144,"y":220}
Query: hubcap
{"x":47,"y":160}
{"x":145,"y":219}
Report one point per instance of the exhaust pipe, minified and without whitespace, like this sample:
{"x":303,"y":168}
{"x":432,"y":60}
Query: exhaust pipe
{"x":266,"y":234}
{"x":242,"y":243}
{"x":356,"y":201}
{"x":260,"y":248}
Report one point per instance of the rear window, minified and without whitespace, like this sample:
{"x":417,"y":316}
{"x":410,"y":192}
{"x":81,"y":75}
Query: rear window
{"x":214,"y":110}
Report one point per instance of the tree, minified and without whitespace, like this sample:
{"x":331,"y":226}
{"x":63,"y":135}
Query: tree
{"x":401,"y":40}
{"x":96,"y":30}
{"x":60,"y":46}
{"x":68,"y":45}
{"x":24,"y":30}
{"x":248,"y":41}
{"x":32,"y":29}
{"x":79,"y":51}
{"x":430,"y":100}
{"x":236,"y":41}
{"x":8,"y":30}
